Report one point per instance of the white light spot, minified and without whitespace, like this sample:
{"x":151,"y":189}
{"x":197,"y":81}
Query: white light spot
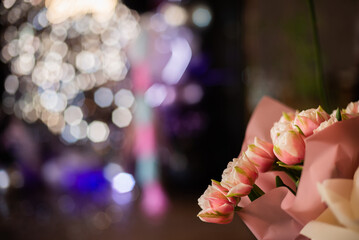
{"x":67,"y":136}
{"x":4,"y":180}
{"x":61,"y":102}
{"x":124,"y":98}
{"x":73,"y":115}
{"x":123,"y":182}
{"x":103,"y":97}
{"x":49,"y":99}
{"x":174,"y":15}
{"x":98,"y":131}
{"x":79,"y":131}
{"x":11,"y":84}
{"x":121,"y":117}
{"x":24,"y":64}
{"x":86,"y":62}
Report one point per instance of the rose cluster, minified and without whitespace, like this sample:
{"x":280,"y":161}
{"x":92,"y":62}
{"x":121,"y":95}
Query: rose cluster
{"x":220,"y":200}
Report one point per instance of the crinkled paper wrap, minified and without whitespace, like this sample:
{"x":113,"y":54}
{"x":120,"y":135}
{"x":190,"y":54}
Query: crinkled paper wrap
{"x":331,"y":153}
{"x":340,"y":219}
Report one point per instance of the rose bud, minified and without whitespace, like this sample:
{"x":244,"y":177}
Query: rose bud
{"x":352,"y":109}
{"x":323,"y":125}
{"x":289,"y":147}
{"x":279,"y":127}
{"x":261,"y":154}
{"x":239,"y":176}
{"x":310,"y":119}
{"x":216,"y":208}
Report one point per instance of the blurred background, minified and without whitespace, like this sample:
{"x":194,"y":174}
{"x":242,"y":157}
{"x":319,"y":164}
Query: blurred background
{"x":115,"y":115}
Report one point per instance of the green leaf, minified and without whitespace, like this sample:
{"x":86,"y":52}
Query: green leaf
{"x":338,"y":115}
{"x":294,"y":167}
{"x":215,"y":181}
{"x":235,"y":195}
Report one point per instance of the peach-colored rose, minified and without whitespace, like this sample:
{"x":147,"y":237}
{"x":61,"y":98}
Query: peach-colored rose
{"x":310,"y":119}
{"x":239,"y":176}
{"x":352,"y":108}
{"x":323,"y":125}
{"x":289,"y":147}
{"x":261,"y":154}
{"x":287,"y":117}
{"x":216,"y":207}
{"x":279,"y":127}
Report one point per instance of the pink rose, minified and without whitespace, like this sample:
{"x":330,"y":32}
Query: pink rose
{"x":287,"y":117}
{"x":310,"y":119}
{"x":261,"y":154}
{"x":279,"y":127}
{"x":326,"y":124}
{"x":239,"y":176}
{"x":289,"y":147}
{"x":216,"y":208}
{"x":352,"y":109}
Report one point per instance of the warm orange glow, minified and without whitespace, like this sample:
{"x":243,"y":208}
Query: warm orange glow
{"x":60,"y":10}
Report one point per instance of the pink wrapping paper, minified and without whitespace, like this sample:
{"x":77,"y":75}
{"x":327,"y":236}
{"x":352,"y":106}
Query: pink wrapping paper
{"x":331,"y":153}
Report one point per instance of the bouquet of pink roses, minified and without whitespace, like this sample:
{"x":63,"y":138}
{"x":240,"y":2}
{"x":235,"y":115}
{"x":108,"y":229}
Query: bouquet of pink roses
{"x":272,"y":185}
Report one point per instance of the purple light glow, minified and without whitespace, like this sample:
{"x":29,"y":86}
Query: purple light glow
{"x":154,"y":201}
{"x":122,"y":198}
{"x":111,"y":170}
{"x":192,"y":93}
{"x":180,"y":58}
{"x":155,"y":95}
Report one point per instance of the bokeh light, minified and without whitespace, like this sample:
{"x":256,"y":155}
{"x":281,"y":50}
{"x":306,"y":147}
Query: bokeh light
{"x":201,"y":16}
{"x":98,"y":131}
{"x":121,"y":117}
{"x":79,"y":131}
{"x":180,"y":58}
{"x":111,"y":170}
{"x":103,"y":97}
{"x":174,"y":15}
{"x":123,"y":182}
{"x":4,"y":180}
{"x":124,"y":98}
{"x":11,"y":84}
{"x":155,"y":95}
{"x":73,"y":115}
{"x":60,"y":52}
{"x":60,"y":10}
{"x":192,"y":93}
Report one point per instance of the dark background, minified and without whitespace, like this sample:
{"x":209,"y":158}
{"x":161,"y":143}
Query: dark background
{"x":250,"y":49}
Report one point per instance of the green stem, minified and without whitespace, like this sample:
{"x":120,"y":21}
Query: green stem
{"x":318,"y":55}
